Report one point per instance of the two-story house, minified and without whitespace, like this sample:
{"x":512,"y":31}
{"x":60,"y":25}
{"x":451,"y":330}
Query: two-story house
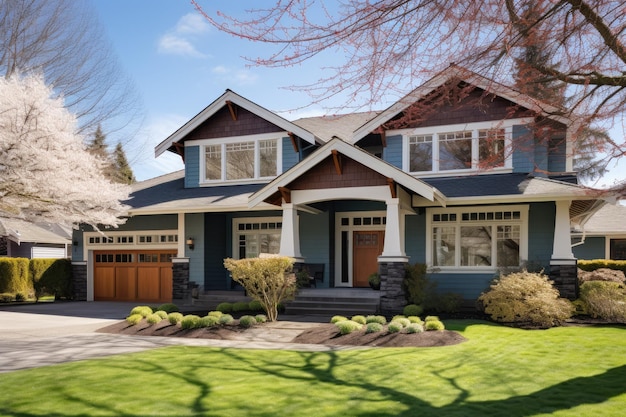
{"x":453,"y":176}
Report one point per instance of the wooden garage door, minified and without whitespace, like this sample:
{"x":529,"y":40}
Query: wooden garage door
{"x":144,"y":276}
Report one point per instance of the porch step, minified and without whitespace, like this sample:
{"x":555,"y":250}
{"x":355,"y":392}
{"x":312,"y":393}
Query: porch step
{"x":332,"y":305}
{"x":210,"y":300}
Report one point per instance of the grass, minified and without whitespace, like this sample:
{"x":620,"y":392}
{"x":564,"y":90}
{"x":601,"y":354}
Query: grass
{"x":570,"y":371}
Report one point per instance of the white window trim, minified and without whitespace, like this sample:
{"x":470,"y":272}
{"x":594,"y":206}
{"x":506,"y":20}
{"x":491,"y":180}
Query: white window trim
{"x":135,"y":245}
{"x":239,"y":220}
{"x":435,"y":131}
{"x":522,"y":222}
{"x":222,"y":142}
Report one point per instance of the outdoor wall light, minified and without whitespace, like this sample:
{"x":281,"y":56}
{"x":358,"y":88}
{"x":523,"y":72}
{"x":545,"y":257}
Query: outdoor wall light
{"x":189,"y":243}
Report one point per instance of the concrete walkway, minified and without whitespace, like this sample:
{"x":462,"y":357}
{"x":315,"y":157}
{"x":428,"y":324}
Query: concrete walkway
{"x":50,"y":333}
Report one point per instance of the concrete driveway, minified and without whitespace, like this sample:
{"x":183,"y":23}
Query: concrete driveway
{"x":50,"y":333}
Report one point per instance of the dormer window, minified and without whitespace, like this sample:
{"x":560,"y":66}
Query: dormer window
{"x":239,"y":160}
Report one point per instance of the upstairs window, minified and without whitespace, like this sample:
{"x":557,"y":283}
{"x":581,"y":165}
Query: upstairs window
{"x":241,"y":160}
{"x":468,"y":147}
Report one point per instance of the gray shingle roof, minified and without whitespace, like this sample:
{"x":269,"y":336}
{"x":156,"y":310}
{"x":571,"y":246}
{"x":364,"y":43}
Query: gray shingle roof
{"x":342,"y":126}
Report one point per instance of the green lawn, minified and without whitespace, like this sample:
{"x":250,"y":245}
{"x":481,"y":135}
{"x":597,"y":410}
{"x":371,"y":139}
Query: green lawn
{"x":573,"y":371}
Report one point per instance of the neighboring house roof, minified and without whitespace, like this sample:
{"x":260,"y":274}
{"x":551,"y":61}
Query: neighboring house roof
{"x":20,"y":231}
{"x":225,"y":100}
{"x":608,"y":220}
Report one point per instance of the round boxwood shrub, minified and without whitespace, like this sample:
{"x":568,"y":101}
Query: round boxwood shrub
{"x":434,"y":325}
{"x":260,"y":318}
{"x":255,"y":305}
{"x":373,"y":327}
{"x":431,"y":318}
{"x":225,"y":307}
{"x":412,"y":310}
{"x":226,"y":319}
{"x":161,"y":314}
{"x":208,"y":321}
{"x":336,"y":319}
{"x":215,"y":313}
{"x":376,"y":319}
{"x":394,"y":327}
{"x":403,"y":321}
{"x":134,"y":319}
{"x":190,"y":321}
{"x":154,"y":318}
{"x":414,"y":328}
{"x":168,"y":308}
{"x":398,"y":316}
{"x":348,"y":326}
{"x":145,"y":311}
{"x":240,"y":306}
{"x":359,"y":319}
{"x":415,"y":319}
{"x":247,"y":321}
{"x":174,"y":318}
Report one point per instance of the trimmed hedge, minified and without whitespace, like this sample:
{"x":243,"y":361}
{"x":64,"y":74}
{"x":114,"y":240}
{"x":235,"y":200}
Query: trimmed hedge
{"x":14,"y":276}
{"x":36,"y":277}
{"x":593,"y":264}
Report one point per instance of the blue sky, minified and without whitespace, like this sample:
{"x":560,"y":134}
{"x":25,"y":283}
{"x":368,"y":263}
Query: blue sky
{"x":180,"y":64}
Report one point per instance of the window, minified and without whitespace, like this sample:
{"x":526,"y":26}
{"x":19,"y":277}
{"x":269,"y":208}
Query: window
{"x":477,"y":238}
{"x":467,"y":147}
{"x":256,"y":236}
{"x":241,"y":160}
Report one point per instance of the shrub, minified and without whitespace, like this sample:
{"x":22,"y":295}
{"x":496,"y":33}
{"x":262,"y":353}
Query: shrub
{"x":348,"y":326}
{"x":398,"y":316}
{"x":592,"y":265}
{"x":226,"y":319}
{"x":267,"y":280}
{"x":154,"y":318}
{"x":216,"y":313}
{"x":168,"y":308}
{"x":224,"y":307}
{"x":605,"y":300}
{"x":526,"y":298}
{"x":161,"y":314}
{"x":415,"y":320}
{"x":412,"y":310}
{"x":394,"y":327}
{"x":20,"y":297}
{"x":240,"y":306}
{"x":190,"y":321}
{"x":208,"y":321}
{"x":260,"y":318}
{"x":374,"y":281}
{"x":255,"y":305}
{"x":51,"y":277}
{"x":416,"y":285}
{"x":373,"y":327}
{"x":134,"y":319}
{"x":6,"y":297}
{"x":359,"y":319}
{"x":376,"y":319}
{"x":145,"y":311}
{"x":336,"y":319}
{"x":174,"y":318}
{"x":403,"y":321}
{"x":14,"y":276}
{"x":434,"y":325}
{"x":449,"y":302}
{"x":415,"y":328}
{"x":247,"y":321}
{"x":431,"y":318}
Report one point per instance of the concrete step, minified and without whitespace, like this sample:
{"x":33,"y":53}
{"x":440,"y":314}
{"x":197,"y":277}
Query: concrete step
{"x":332,"y":306}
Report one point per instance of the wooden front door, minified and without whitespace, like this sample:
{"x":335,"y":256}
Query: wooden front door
{"x":368,"y":245}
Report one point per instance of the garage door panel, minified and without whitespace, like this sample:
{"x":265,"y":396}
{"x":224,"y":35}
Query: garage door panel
{"x":166,"y":279}
{"x":148,"y":283}
{"x":126,"y":283}
{"x":104,"y":283}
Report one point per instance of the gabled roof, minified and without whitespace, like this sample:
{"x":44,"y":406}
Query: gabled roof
{"x":365,"y":158}
{"x":340,"y":125}
{"x":454,"y":72}
{"x":610,"y":219}
{"x":221,"y":102}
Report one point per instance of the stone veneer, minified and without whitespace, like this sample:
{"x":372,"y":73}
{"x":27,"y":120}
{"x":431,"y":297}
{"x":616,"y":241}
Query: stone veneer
{"x":392,"y":299}
{"x":565,"y":279}
{"x":79,"y":281}
{"x":180,"y":280}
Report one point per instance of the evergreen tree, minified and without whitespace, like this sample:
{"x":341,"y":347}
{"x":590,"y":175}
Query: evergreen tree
{"x":123,"y":171}
{"x":97,"y":146}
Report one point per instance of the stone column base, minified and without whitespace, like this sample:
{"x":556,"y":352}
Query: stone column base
{"x":564,"y":273}
{"x":79,"y":281}
{"x":180,"y":279}
{"x":392,"y":299}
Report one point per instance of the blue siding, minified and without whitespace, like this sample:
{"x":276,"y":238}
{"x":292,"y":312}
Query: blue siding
{"x":523,"y":150}
{"x":415,"y":238}
{"x":557,"y":156}
{"x":392,"y":153}
{"x":290,"y":157}
{"x":154,"y":222}
{"x":541,"y":219}
{"x":315,"y":240}
{"x":470,"y":286}
{"x":215,"y":250}
{"x":593,"y":248}
{"x":192,"y":167}
{"x":194,"y":225}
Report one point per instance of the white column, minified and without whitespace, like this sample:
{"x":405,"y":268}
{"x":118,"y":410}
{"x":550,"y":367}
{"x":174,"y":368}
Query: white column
{"x":181,"y":236}
{"x":562,"y":246}
{"x":394,"y":231}
{"x":290,"y":234}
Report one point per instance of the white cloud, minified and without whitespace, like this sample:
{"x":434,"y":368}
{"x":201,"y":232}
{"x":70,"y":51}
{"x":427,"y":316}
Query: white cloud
{"x":182,"y":38}
{"x":239,"y":77}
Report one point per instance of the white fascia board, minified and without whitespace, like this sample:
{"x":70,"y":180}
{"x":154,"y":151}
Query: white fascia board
{"x":503,"y":199}
{"x":240,"y":101}
{"x":200,"y":209}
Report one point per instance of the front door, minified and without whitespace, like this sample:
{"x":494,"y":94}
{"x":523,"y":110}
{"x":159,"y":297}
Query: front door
{"x":368,"y":246}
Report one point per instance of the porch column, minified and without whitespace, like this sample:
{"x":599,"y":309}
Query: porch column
{"x":392,"y":262}
{"x":394,"y":230}
{"x":290,"y":233}
{"x":563,"y":265}
{"x":181,"y":236}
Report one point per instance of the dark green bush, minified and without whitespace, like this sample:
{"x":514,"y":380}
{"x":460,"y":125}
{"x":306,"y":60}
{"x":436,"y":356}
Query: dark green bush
{"x":225,"y":307}
{"x":416,"y":285}
{"x":605,"y":300}
{"x":168,"y":308}
{"x":247,"y":321}
{"x":374,"y":281}
{"x":255,"y":305}
{"x":412,"y":310}
{"x":240,"y":306}
{"x":19,"y":297}
{"x":373,"y":327}
{"x":14,"y":276}
{"x":51,"y":277}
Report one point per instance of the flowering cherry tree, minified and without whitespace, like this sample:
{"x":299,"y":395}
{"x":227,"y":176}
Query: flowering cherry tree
{"x":46,"y":174}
